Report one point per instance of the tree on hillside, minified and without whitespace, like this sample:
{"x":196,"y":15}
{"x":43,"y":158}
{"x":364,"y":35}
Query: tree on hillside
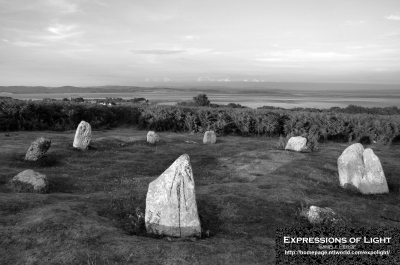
{"x":236,"y":106}
{"x":201,"y":100}
{"x":80,"y":99}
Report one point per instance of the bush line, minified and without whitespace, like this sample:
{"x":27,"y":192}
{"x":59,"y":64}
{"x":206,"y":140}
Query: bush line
{"x":59,"y":116}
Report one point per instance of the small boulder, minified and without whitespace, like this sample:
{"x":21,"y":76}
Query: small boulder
{"x":83,"y":136}
{"x":324,"y":216}
{"x":298,"y":143}
{"x":209,"y":137}
{"x":361,"y":170}
{"x":30,"y":181}
{"x":152,"y":137}
{"x":37,"y":149}
{"x":171,"y":208}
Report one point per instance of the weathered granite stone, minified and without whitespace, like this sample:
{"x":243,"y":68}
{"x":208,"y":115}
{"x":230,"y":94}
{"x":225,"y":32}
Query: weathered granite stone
{"x":37,"y":149}
{"x":351,"y":166}
{"x":374,"y":181}
{"x":298,"y":143}
{"x":361,"y":170}
{"x":30,"y":180}
{"x":209,"y":137}
{"x":152,"y":137}
{"x":324,"y":216}
{"x":171,"y":207}
{"x":83,"y":136}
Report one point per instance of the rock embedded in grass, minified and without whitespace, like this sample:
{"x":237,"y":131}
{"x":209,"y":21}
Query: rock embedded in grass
{"x":152,"y":137}
{"x":361,"y":169}
{"x":297,"y":143}
{"x":37,"y":149}
{"x":171,"y":208}
{"x":209,"y":137}
{"x":29,"y":181}
{"x":83,"y":136}
{"x":324,"y":216}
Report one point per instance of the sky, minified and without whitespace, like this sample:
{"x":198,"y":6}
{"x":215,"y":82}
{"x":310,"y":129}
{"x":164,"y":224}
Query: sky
{"x":136,"y":42}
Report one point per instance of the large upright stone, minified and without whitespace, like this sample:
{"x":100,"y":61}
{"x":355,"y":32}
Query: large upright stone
{"x":171,"y":207}
{"x":37,"y":149}
{"x":209,"y":137}
{"x":351,"y":166}
{"x":152,"y":137}
{"x":83,"y":136}
{"x":30,"y":180}
{"x":361,"y":169}
{"x":298,"y":143}
{"x":374,"y":181}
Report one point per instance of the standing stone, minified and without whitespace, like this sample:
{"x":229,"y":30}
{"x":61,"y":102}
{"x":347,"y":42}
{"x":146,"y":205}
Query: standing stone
{"x":374,"y":181}
{"x":152,"y":137}
{"x":361,"y":169}
{"x":37,"y":149}
{"x":298,"y":143}
{"x":30,"y":180}
{"x":83,"y":136}
{"x":351,"y":166}
{"x":171,"y":207}
{"x":324,"y":216}
{"x":209,"y":137}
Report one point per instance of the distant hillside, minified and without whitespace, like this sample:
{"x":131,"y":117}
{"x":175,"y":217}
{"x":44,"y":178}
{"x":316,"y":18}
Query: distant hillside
{"x":66,"y":89}
{"x":308,"y":89}
{"x":128,"y":89}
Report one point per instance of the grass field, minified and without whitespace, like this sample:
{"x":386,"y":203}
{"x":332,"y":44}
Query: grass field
{"x":245,"y":189}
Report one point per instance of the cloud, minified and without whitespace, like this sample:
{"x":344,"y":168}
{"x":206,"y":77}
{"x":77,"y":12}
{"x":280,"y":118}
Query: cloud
{"x":393,"y":17}
{"x":302,"y":55}
{"x":362,"y":47}
{"x":353,"y":23}
{"x":197,"y":50}
{"x":101,"y":3}
{"x":204,"y":79}
{"x":23,"y":43}
{"x":64,"y":5}
{"x":60,"y":32}
{"x":166,"y":79}
{"x":157,"y":17}
{"x":190,"y":38}
{"x":158,"y":52}
{"x":76,"y":50}
{"x":391,"y":34}
{"x":380,"y":69}
{"x":170,"y":51}
{"x":60,"y":29}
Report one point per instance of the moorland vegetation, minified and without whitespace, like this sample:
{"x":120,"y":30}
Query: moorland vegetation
{"x":336,"y":125}
{"x":245,"y":188}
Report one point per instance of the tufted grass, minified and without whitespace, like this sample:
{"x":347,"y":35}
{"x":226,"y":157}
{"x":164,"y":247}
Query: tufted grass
{"x":245,"y":189}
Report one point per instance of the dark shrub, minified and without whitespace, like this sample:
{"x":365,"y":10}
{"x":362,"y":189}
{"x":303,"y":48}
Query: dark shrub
{"x":396,"y":140}
{"x":365,"y":140}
